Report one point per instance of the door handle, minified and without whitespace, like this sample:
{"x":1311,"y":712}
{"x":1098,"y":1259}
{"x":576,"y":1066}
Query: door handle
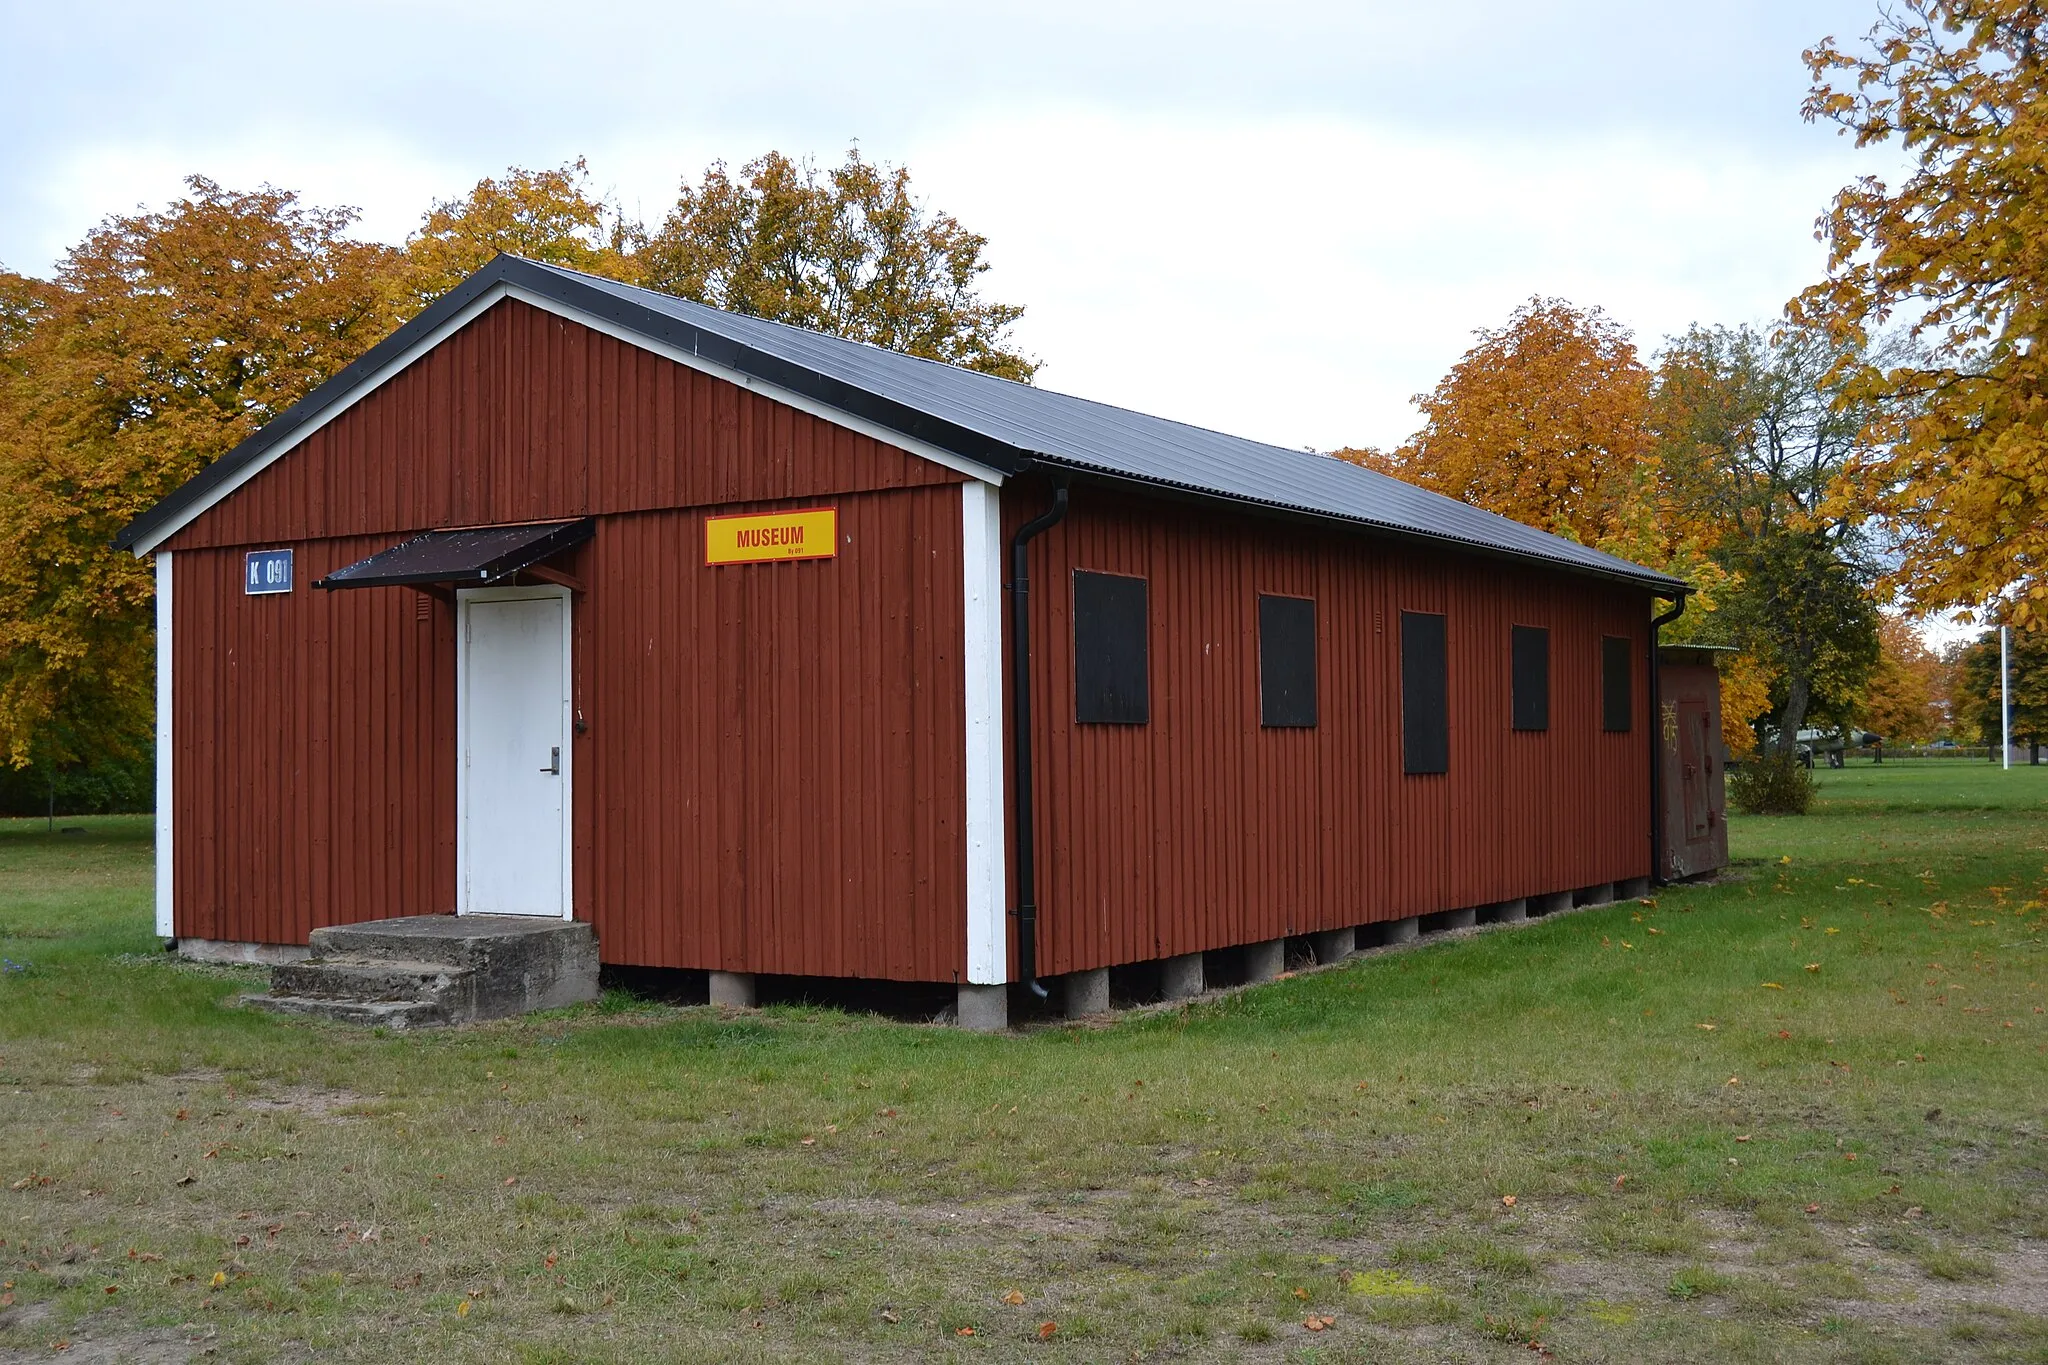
{"x":554,"y":761}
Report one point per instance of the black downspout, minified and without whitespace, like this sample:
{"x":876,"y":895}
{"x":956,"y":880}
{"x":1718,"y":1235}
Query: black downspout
{"x":1020,"y":733}
{"x":1657,"y":745}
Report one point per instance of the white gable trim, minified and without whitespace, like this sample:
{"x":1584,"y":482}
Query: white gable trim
{"x":483,"y":302}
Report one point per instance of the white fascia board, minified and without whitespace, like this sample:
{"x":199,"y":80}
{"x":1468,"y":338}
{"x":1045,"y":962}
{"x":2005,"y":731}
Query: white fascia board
{"x":924,"y":450}
{"x":482,"y":303}
{"x":981,"y":539}
{"x":164,"y":749}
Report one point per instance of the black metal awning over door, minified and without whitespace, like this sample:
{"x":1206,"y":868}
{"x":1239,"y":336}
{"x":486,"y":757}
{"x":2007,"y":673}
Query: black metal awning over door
{"x":472,"y":558}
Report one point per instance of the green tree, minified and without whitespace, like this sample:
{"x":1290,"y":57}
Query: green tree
{"x":1977,"y":690}
{"x":164,"y":340}
{"x":1754,"y":436}
{"x":849,"y":251}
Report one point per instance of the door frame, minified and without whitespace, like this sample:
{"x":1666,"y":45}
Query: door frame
{"x":464,"y":598}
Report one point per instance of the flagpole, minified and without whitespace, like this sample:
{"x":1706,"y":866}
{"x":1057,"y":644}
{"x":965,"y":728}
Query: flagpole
{"x":2005,"y":693}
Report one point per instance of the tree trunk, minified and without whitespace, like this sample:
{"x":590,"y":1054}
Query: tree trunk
{"x":1798,"y":692}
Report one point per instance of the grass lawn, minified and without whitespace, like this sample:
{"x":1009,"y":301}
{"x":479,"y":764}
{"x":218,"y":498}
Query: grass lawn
{"x":1796,"y":1116}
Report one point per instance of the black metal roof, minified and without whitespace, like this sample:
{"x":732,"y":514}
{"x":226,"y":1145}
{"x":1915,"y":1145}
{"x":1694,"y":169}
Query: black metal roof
{"x":474,"y":557}
{"x":999,"y":423}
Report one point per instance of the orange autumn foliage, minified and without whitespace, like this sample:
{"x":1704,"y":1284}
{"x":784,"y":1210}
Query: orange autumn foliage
{"x":1545,"y":420}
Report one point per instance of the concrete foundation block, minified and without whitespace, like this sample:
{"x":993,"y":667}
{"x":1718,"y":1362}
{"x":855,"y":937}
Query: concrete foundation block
{"x":231,"y":952}
{"x":1404,"y":930}
{"x":733,"y":988}
{"x":1181,"y":977}
{"x":1459,"y":919}
{"x":1333,"y":945}
{"x":1603,"y":894}
{"x":1635,"y":888}
{"x":984,"y":1009}
{"x":1264,"y":961}
{"x":1552,"y":903}
{"x":1085,"y":993}
{"x":1511,"y":912}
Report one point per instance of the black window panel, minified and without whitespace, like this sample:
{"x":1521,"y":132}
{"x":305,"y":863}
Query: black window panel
{"x":1530,"y":648}
{"x":1425,"y":709}
{"x":1287,"y":660}
{"x":1617,"y":705}
{"x":1111,"y":677}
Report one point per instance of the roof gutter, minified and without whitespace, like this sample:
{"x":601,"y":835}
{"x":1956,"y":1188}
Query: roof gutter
{"x":1657,"y":741}
{"x":1020,"y":731}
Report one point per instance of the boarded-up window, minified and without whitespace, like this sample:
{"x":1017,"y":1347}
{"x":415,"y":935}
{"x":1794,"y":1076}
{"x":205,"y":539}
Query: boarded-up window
{"x":1425,"y":710}
{"x":1617,"y":704}
{"x":1287,"y":660}
{"x":1111,"y":679}
{"x":1530,"y":650}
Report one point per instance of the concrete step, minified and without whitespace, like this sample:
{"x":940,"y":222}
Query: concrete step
{"x":396,"y":1014}
{"x":352,"y":978}
{"x":468,"y":967}
{"x":452,"y":940}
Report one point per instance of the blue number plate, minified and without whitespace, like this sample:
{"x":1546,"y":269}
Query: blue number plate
{"x":267,"y":571}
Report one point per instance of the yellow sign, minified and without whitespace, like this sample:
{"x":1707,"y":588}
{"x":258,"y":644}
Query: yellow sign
{"x":812,"y":533}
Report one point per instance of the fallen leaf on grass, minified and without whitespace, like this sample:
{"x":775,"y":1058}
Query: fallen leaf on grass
{"x":1507,"y":1201}
{"x":963,"y":1331}
{"x":1813,"y":1208}
{"x":1733,"y":1080}
{"x":1014,"y":1298}
{"x":1707,"y":1027}
{"x":890,"y":1315}
{"x":1774,"y":986}
{"x":462,"y":1309}
{"x":1317,"y":1323}
{"x":219,"y":1281}
{"x":1813,"y":966}
{"x":1619,"y":1181}
{"x":1046,"y":1329}
{"x":1742,"y":1137}
{"x":511,"y":1180}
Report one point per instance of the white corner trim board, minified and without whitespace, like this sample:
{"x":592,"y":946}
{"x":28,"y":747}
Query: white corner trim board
{"x":164,"y":751}
{"x":481,"y":304}
{"x":981,"y":540}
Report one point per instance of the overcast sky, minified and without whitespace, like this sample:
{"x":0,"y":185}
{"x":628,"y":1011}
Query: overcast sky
{"x":1278,"y":220}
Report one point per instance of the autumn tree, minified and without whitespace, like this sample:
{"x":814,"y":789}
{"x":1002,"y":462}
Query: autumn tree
{"x":849,"y":251}
{"x":1544,"y":420}
{"x":1902,"y":700}
{"x":1958,"y":252}
{"x":163,"y":341}
{"x":549,"y":216}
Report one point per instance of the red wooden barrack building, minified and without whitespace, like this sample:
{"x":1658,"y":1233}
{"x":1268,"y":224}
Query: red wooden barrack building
{"x":573,"y":599}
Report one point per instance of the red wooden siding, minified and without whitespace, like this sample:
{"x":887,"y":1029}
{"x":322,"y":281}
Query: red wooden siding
{"x":524,"y":416}
{"x":314,"y":773}
{"x":1204,"y":829}
{"x":772,"y":775}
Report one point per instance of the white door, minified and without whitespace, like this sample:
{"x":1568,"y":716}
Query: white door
{"x":513,"y":695}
